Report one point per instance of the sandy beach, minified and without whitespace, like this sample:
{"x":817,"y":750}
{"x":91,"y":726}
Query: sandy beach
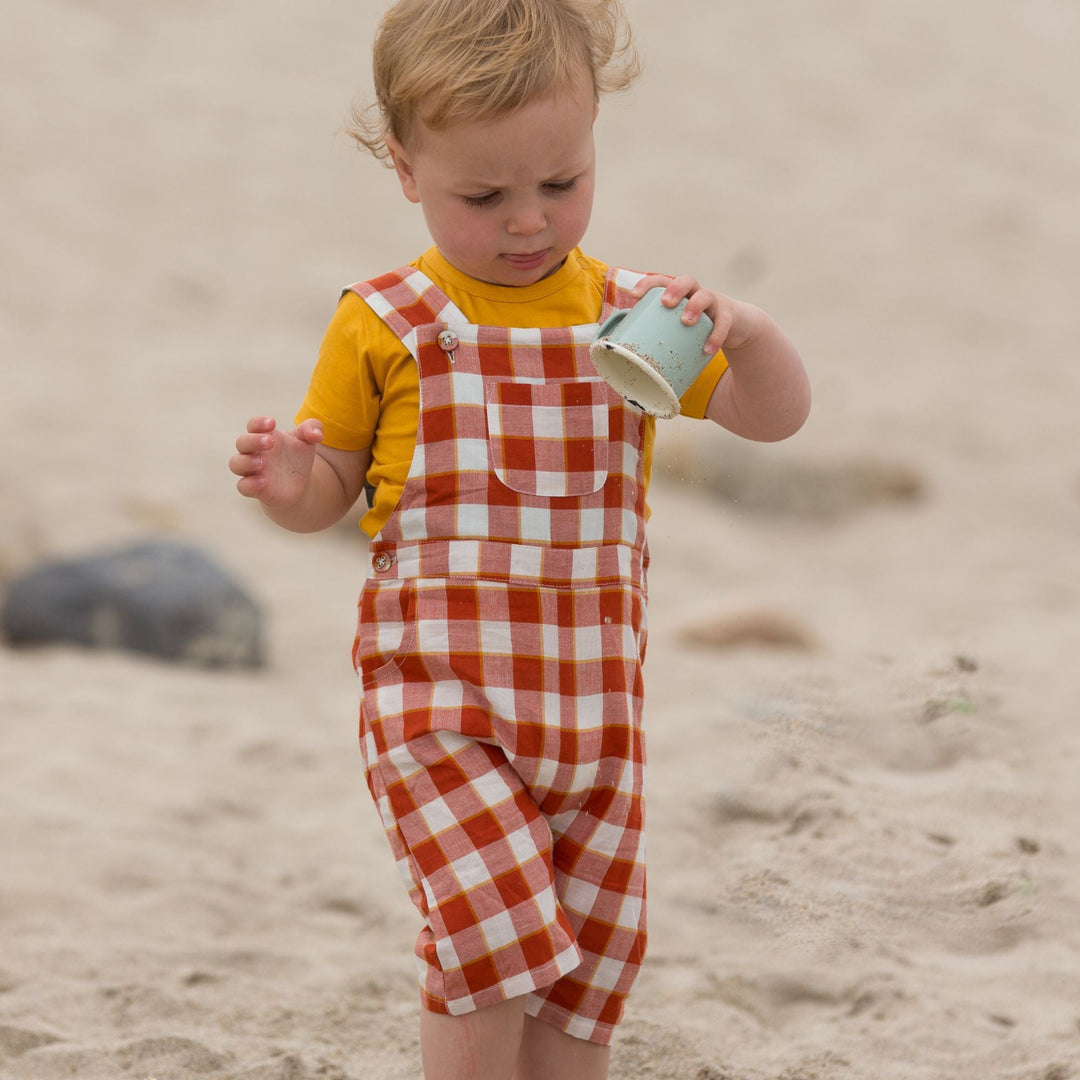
{"x":862,"y":680}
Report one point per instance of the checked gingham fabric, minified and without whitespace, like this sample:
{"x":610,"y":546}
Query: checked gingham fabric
{"x":499,"y":647}
{"x":548,"y":438}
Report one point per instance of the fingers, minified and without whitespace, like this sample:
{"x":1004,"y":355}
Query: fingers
{"x":681,"y":288}
{"x":246,"y":463}
{"x":252,"y":487}
{"x":258,"y":436}
{"x":650,"y":281}
{"x":721,"y":328}
{"x":699,"y":301}
{"x":310,"y":431}
{"x":249,"y":460}
{"x":250,"y":468}
{"x":677,"y":289}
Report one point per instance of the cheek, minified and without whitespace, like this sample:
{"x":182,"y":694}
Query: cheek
{"x":576,"y":216}
{"x":471,"y":235}
{"x":448,"y":226}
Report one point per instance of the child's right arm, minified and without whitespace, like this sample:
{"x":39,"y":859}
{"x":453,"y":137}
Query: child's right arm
{"x":301,"y":485}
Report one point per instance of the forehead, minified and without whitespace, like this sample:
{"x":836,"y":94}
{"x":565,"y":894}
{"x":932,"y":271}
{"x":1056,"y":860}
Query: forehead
{"x":540,"y":139}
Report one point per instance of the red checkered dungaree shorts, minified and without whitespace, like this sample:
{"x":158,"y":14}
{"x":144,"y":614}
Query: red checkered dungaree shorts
{"x":499,"y":647}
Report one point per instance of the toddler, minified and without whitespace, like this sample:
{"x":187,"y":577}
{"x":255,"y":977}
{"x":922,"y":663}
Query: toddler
{"x":501,"y":628}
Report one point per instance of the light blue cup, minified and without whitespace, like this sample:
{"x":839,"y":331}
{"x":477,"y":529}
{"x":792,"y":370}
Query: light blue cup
{"x":649,"y":355}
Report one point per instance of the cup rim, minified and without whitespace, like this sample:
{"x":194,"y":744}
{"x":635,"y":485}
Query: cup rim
{"x":665,"y":406}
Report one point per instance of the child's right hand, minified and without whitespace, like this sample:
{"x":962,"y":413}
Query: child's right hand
{"x":274,"y":466}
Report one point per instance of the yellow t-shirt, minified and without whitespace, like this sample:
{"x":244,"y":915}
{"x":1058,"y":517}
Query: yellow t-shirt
{"x":365,"y":387}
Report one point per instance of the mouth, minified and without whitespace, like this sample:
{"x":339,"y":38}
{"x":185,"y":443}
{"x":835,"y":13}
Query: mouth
{"x":528,"y":261}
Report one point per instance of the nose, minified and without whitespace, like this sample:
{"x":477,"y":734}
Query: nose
{"x":527,"y":218}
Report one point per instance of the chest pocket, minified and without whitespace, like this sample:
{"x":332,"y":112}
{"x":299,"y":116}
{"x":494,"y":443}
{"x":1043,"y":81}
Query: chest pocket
{"x":551,"y":438}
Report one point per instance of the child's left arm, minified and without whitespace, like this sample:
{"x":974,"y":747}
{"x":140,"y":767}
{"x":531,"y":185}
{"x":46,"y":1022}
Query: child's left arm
{"x":765,"y":393}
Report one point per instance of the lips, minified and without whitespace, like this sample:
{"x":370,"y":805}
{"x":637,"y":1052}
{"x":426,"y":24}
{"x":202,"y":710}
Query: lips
{"x":528,"y":261}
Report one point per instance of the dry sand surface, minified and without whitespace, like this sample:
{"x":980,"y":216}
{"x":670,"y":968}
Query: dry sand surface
{"x":864,"y":749}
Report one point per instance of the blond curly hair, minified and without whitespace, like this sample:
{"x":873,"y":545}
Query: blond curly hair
{"x":437,"y":62}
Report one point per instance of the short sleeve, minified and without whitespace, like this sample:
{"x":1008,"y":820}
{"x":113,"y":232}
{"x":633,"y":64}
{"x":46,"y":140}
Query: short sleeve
{"x":341,"y":394}
{"x":696,"y":399}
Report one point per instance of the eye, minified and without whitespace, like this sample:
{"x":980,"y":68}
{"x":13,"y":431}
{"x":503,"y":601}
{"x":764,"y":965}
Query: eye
{"x":561,"y":187}
{"x":480,"y":201}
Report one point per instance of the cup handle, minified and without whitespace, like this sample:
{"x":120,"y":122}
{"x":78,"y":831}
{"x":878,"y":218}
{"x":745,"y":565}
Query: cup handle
{"x":609,"y":324}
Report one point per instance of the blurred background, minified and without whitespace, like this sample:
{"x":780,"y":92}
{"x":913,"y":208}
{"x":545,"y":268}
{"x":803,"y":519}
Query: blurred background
{"x":895,"y":182}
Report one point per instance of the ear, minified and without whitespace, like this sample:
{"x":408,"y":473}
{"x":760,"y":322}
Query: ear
{"x":404,"y":169}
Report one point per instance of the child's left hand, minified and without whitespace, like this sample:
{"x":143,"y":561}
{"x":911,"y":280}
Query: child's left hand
{"x":764,"y":393}
{"x":734,"y":322}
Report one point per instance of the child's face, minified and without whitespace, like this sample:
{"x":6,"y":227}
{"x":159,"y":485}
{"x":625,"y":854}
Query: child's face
{"x":506,"y":199}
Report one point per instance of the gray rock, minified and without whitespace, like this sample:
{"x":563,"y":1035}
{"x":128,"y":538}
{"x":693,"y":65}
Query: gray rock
{"x":159,"y":597}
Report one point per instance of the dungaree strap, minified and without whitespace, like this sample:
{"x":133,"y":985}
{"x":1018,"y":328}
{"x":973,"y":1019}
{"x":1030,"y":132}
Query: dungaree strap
{"x":405,"y":299}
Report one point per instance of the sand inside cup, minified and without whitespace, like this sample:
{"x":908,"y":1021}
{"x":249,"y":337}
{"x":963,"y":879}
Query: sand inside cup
{"x":636,"y":376}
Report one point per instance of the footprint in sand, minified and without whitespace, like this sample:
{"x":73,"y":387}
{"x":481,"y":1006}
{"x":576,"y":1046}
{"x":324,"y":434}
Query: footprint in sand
{"x":770,"y":629}
{"x":15,"y":1041}
{"x":168,"y":1055}
{"x":45,"y":1054}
